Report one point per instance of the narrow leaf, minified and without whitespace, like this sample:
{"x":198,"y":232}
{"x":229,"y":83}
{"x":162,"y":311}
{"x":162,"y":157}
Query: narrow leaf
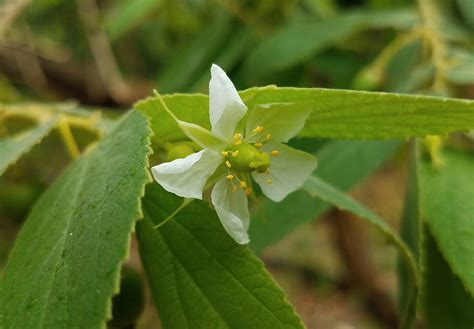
{"x":66,"y":262}
{"x":330,"y":194}
{"x":199,"y":276}
{"x":273,"y":220}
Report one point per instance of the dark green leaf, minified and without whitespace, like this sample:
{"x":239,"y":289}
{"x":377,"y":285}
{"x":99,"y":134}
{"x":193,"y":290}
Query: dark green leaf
{"x":199,"y":276}
{"x":65,"y":265}
{"x":446,"y":205}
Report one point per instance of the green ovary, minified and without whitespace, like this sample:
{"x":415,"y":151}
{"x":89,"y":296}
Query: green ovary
{"x":246,"y":158}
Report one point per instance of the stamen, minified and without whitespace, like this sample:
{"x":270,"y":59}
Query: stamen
{"x":230,"y":177}
{"x":234,"y":188}
{"x":248,"y":191}
{"x":225,"y":153}
{"x":227,"y":163}
{"x":235,"y":153}
{"x":267,"y":172}
{"x":275,"y":153}
{"x":258,"y":145}
{"x":243,"y":184}
{"x":269,"y":181}
{"x":268,"y":137}
{"x":237,"y":136}
{"x":238,"y":142}
{"x":259,"y":129}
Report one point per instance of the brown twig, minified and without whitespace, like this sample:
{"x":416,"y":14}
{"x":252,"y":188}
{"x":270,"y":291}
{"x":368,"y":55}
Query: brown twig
{"x":102,"y":52}
{"x":9,"y":11}
{"x":351,"y":243}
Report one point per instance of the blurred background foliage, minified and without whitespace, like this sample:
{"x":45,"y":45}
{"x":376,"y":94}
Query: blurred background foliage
{"x":108,"y":54}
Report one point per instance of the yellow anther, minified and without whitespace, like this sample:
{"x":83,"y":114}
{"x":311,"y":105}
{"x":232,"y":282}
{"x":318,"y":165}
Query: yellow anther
{"x":235,"y":153}
{"x":230,"y":177}
{"x":268,"y":137}
{"x":234,"y":188}
{"x":237,"y":136}
{"x":227,"y":163}
{"x":238,"y":142}
{"x":269,"y":181}
{"x":248,"y":191}
{"x":243,"y":184}
{"x":225,"y":153}
{"x":275,"y":153}
{"x":259,"y":129}
{"x":258,"y":145}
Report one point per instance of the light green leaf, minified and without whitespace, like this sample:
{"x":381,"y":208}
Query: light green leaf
{"x":199,"y":276}
{"x":339,"y":114}
{"x":319,"y":188}
{"x":299,"y":42}
{"x":189,"y":108}
{"x":274,"y":220}
{"x":345,"y":114}
{"x":13,"y":147}
{"x":446,"y":205}
{"x":65,"y":265}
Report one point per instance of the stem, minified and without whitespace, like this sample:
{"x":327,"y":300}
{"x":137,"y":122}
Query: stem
{"x":162,"y":102}
{"x":68,"y":138}
{"x":431,"y":18}
{"x":174,"y":213}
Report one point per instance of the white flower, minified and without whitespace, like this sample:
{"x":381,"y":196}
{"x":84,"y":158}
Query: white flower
{"x":232,"y":155}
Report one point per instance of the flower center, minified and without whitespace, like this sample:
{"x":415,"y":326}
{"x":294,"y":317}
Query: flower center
{"x":246,"y":158}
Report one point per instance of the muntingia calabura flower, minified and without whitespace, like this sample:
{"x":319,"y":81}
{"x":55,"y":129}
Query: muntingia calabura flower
{"x":231,"y":155}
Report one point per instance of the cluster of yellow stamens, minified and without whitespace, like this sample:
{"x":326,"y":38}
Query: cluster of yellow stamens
{"x":251,"y":159}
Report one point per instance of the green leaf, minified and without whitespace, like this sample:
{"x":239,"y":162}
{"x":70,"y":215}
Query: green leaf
{"x":65,"y":265}
{"x":299,"y":42}
{"x":446,"y":205}
{"x":446,"y":304}
{"x":274,"y":220}
{"x":13,"y":147}
{"x":127,"y":15}
{"x":462,"y":70}
{"x":189,"y":108}
{"x":182,"y":71}
{"x":319,"y":188}
{"x":339,"y":114}
{"x":199,"y":277}
{"x":345,"y":114}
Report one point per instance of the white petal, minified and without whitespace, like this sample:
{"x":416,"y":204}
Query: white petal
{"x":282,"y":120}
{"x":288,"y":171}
{"x":232,"y":209}
{"x":186,"y":177}
{"x":225,"y":106}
